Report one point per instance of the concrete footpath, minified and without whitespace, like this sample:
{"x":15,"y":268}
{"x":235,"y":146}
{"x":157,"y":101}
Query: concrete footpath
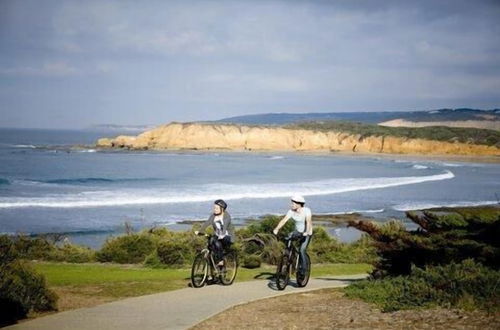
{"x":179,"y":309}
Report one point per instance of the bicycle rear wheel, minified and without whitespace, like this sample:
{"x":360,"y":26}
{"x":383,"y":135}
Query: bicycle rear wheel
{"x":228,"y":273}
{"x":199,"y":271}
{"x":283,"y":273}
{"x":303,"y":274}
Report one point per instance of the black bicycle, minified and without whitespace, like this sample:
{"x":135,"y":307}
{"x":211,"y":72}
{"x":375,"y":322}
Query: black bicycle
{"x":290,"y":264}
{"x":204,"y":266}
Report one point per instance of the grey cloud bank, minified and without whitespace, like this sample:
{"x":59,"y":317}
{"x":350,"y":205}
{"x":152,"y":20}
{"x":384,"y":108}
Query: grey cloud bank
{"x":66,"y":64}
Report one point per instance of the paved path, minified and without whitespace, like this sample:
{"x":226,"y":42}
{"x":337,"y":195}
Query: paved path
{"x":177,"y":309}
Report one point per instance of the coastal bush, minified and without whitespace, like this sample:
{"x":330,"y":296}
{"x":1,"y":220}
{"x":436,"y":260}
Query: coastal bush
{"x":266,"y":226}
{"x":173,"y":248}
{"x":438,"y":133}
{"x":7,"y":251}
{"x":445,"y":235}
{"x":251,"y":261}
{"x":174,"y":253}
{"x":323,"y":247}
{"x":33,"y":248}
{"x":451,"y":260}
{"x":22,"y":289}
{"x":153,"y":261}
{"x":124,"y":249}
{"x":42,"y":248}
{"x":72,"y":253}
{"x":467,"y":284}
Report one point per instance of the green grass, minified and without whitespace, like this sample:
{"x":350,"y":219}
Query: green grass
{"x":121,"y":281}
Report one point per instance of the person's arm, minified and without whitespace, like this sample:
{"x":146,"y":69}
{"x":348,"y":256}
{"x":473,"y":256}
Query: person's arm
{"x":281,"y":223}
{"x":309,"y":225}
{"x":227,"y":225}
{"x":204,"y":225}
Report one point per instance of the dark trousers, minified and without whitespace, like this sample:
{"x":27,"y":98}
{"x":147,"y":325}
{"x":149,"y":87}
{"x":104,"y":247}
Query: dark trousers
{"x":303,"y":248}
{"x":304,"y":243}
{"x":218,"y":246}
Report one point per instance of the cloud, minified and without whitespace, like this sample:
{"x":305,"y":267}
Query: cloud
{"x":201,"y":58}
{"x":271,"y":83}
{"x":49,"y":69}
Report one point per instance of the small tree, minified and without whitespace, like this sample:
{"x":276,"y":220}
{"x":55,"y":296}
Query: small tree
{"x":445,"y":235}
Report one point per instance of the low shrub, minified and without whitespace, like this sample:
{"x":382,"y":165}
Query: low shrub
{"x":174,"y":253}
{"x":72,"y":253}
{"x":22,"y":290}
{"x":467,"y":284}
{"x":153,"y":261}
{"x":33,"y":248}
{"x":41,"y":248}
{"x":131,"y":248}
{"x":251,"y":261}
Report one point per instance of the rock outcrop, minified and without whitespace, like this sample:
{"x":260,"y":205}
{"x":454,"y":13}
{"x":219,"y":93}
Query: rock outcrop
{"x":198,"y":136}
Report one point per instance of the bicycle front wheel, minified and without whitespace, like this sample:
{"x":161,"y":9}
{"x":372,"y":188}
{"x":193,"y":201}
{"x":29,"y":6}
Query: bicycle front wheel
{"x":283,"y":273}
{"x":199,"y":271}
{"x":230,"y":268}
{"x":303,"y":274}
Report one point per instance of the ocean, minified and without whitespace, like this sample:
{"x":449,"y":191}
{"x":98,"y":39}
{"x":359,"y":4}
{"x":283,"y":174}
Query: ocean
{"x":51,"y":183}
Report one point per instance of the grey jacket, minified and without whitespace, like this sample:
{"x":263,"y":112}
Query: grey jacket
{"x":226,"y":226}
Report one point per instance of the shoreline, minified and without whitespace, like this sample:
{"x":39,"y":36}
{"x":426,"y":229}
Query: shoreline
{"x":277,"y":152}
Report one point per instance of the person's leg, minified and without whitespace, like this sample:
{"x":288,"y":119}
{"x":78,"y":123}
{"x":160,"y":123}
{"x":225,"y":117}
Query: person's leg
{"x":303,"y":248}
{"x":226,"y":242}
{"x":218,"y":253}
{"x":212,"y":244}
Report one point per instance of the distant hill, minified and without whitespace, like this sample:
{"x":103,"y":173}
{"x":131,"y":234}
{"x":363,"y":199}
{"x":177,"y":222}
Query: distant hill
{"x":440,"y":115}
{"x":121,"y":128}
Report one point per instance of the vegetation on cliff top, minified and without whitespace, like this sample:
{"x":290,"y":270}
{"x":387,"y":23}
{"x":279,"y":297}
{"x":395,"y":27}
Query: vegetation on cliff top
{"x":437,"y":133}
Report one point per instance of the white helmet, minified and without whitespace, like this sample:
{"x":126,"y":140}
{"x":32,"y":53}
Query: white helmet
{"x":298,"y":199}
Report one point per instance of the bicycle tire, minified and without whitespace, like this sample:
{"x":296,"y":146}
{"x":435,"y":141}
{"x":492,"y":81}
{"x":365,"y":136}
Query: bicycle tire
{"x":230,"y":268}
{"x":199,"y":271}
{"x":303,"y":277}
{"x":283,"y":273}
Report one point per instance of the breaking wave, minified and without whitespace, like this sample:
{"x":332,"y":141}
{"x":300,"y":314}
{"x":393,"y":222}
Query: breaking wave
{"x":209,"y":192}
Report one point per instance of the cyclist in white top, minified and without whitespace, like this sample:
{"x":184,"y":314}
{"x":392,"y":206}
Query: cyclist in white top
{"x":302,"y":217}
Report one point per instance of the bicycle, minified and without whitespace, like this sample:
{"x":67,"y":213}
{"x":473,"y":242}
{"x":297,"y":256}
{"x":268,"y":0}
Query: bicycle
{"x":204,"y":264}
{"x":290,"y":263}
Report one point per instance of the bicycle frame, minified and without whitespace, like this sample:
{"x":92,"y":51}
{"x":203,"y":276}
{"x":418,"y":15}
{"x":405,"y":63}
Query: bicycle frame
{"x":205,"y":261}
{"x":293,"y":254}
{"x":210,"y":258}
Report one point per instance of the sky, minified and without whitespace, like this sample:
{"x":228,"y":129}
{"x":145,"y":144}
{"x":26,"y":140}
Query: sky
{"x":73,"y":64}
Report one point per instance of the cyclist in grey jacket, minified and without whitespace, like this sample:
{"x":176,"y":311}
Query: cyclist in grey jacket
{"x":220,"y":220}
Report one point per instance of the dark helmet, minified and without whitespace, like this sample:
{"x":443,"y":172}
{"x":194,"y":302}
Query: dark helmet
{"x":221,"y":203}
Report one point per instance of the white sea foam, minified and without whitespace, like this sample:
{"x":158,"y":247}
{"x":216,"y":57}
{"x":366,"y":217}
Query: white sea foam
{"x":30,"y":146}
{"x":352,"y":211}
{"x":451,"y":165}
{"x":276,"y":157}
{"x":366,"y":211}
{"x":429,"y":205}
{"x":419,"y":167}
{"x":205,"y":193}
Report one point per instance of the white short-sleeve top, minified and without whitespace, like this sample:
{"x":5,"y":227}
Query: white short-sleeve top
{"x":299,"y":218}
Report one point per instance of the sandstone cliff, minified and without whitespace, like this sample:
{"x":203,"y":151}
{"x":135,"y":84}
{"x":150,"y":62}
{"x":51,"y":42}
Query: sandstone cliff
{"x":176,"y":136}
